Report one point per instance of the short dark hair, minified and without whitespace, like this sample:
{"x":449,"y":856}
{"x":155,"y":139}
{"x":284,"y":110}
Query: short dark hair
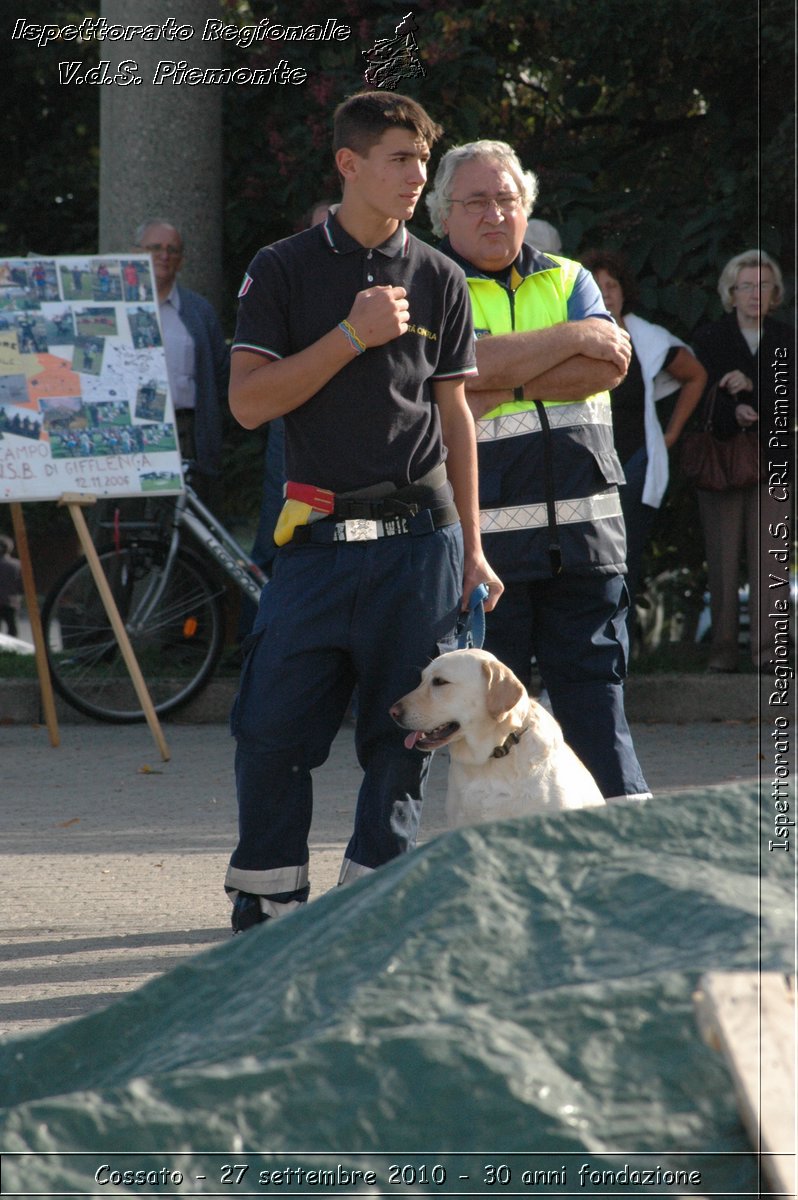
{"x":615,"y":264}
{"x":361,"y":120}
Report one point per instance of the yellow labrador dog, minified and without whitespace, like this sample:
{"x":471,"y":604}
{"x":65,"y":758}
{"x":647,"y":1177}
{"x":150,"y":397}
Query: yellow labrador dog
{"x":507,"y":753}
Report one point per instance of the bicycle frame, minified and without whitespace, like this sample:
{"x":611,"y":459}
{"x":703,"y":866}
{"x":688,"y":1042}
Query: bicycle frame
{"x":191,"y":514}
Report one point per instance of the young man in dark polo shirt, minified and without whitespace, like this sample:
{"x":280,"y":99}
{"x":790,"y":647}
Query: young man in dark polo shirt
{"x":360,"y":336}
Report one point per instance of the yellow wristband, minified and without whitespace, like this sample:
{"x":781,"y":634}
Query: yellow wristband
{"x":350,"y":332}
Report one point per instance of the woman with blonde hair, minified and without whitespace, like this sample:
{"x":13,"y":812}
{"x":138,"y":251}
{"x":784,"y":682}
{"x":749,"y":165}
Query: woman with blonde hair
{"x":741,"y":353}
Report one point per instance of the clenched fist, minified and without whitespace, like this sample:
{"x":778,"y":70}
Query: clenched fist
{"x":380,"y":314}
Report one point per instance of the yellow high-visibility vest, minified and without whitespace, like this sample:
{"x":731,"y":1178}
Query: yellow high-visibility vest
{"x":535,"y":301}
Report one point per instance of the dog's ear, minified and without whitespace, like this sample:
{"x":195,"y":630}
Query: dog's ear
{"x":504,"y":689}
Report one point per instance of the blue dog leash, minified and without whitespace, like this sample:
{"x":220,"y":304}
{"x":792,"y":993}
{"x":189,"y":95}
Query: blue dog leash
{"x":471,"y":628}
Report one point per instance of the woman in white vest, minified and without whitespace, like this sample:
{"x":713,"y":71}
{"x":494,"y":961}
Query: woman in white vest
{"x":644,"y":428}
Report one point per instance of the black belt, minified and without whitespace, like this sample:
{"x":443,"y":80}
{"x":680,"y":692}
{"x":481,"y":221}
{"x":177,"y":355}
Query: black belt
{"x":368,"y":529}
{"x":400,"y":504}
{"x":432,"y":491}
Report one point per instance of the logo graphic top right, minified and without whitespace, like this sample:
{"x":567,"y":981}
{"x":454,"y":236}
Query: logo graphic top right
{"x":396,"y":58}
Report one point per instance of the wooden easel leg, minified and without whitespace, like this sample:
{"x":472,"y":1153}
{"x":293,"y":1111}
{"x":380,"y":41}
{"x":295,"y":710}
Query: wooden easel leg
{"x":32,"y":603}
{"x":74,"y":503}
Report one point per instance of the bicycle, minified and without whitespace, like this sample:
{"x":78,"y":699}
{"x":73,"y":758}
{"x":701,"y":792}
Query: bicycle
{"x":171,"y":605}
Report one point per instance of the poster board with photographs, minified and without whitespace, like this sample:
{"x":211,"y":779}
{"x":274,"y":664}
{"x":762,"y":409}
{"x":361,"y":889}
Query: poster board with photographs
{"x":84,"y":396}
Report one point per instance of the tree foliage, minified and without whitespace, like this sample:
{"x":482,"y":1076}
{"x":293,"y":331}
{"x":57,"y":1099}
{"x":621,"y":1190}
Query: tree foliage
{"x":51,"y":134}
{"x":647,"y":122}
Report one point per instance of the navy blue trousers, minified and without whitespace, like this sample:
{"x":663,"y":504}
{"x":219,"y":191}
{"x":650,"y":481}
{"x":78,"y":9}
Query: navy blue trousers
{"x":638,"y":519}
{"x":575,"y":626}
{"x":369,"y":615}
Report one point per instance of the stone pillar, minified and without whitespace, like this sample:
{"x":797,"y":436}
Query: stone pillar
{"x":161,"y":145}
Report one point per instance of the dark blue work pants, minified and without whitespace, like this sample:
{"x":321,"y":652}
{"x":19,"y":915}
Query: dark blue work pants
{"x":638,"y":519}
{"x":370,"y":614}
{"x":575,"y":626}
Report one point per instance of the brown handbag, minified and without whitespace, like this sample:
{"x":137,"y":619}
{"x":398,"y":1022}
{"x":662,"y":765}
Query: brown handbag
{"x":715,"y":464}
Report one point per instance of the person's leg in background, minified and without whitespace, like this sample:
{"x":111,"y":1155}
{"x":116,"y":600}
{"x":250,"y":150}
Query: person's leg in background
{"x":263,"y":547}
{"x":581,"y":642}
{"x":639,"y":519}
{"x":722,"y":521}
{"x":508,"y":630}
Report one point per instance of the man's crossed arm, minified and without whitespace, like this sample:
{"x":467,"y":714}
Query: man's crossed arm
{"x":569,"y":361}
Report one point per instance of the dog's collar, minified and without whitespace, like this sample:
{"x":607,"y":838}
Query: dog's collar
{"x":511,"y":740}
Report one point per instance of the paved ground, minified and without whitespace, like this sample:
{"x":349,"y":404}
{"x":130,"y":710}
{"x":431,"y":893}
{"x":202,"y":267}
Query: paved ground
{"x":112,"y":860}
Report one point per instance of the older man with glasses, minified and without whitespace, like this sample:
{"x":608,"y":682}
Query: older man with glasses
{"x":547,"y":354}
{"x":197,"y":357}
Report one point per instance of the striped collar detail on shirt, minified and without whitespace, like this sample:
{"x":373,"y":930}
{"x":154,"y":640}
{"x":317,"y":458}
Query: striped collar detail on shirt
{"x":340,"y":242}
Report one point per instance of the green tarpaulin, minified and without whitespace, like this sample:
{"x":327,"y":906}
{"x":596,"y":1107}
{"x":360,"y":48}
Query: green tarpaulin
{"x":524,"y":987}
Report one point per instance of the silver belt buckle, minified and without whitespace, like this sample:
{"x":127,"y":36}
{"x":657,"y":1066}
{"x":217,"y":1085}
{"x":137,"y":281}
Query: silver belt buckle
{"x":360,"y":531}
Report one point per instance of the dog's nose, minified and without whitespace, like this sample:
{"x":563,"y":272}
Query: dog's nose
{"x":395,"y":711}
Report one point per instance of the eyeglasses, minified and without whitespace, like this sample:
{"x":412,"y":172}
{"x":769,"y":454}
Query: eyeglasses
{"x":764,"y":286}
{"x":157,"y":248}
{"x":475,"y":206}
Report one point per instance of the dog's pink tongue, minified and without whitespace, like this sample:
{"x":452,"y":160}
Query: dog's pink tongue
{"x":413,"y":737}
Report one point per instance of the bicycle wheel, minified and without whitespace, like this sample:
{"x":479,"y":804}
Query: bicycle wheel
{"x":176,"y":632}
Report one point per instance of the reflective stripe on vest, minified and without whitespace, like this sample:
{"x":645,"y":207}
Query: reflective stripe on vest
{"x":535,"y":516}
{"x":597,"y":411}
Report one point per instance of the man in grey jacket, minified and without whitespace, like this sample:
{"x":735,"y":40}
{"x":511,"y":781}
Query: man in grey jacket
{"x":197,"y":356}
